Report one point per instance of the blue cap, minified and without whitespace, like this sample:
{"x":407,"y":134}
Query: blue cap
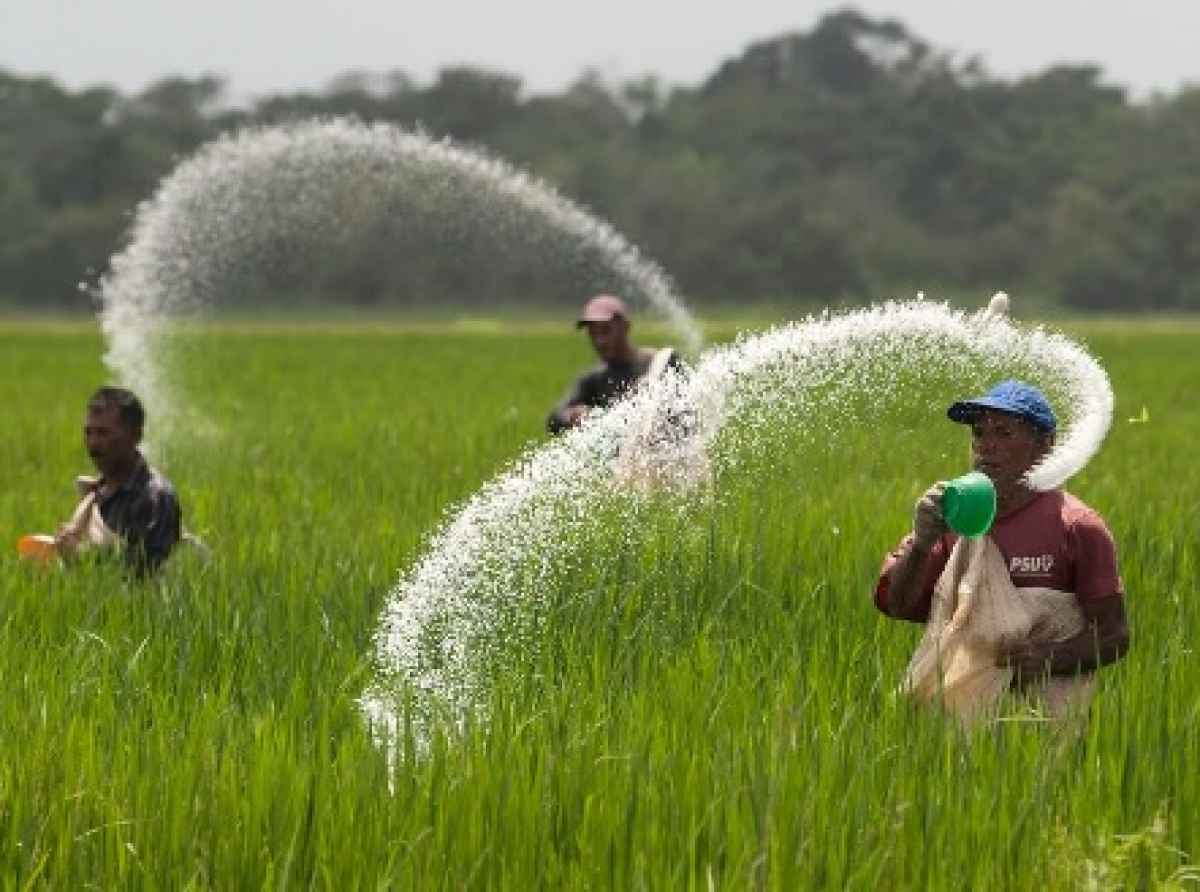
{"x":1016,"y":398}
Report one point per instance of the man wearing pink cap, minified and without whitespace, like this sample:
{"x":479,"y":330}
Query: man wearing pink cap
{"x":622,"y":364}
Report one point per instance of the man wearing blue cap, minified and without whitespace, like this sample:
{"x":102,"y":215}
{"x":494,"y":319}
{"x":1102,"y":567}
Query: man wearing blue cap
{"x":1047,"y":539}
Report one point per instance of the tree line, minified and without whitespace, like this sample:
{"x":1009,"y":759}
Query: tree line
{"x":839,"y":165}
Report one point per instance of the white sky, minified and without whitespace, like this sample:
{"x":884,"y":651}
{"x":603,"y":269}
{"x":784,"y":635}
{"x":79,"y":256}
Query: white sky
{"x":270,"y":46}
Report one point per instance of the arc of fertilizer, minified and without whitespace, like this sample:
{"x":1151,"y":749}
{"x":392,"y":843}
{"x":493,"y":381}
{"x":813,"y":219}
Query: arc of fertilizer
{"x":478,"y":563}
{"x":222,"y":213}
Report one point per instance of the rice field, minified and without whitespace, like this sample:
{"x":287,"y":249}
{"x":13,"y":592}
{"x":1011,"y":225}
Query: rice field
{"x":710,"y":709}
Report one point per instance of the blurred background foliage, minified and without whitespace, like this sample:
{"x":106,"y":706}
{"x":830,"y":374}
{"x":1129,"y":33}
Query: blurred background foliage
{"x":838,"y":166}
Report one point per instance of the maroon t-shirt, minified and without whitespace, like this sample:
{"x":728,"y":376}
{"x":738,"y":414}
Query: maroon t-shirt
{"x":1056,"y":541}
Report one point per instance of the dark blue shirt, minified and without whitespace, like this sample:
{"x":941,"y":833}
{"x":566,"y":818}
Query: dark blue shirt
{"x":144,"y":511}
{"x":602,"y":386}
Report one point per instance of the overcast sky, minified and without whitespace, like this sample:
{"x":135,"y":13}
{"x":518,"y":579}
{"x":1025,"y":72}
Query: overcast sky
{"x":270,"y":46}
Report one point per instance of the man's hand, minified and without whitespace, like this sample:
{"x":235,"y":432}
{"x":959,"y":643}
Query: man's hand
{"x":928,"y":523}
{"x":574,"y":414}
{"x":907,"y":597}
{"x":1030,"y":660}
{"x":66,"y":542}
{"x":1104,"y":639}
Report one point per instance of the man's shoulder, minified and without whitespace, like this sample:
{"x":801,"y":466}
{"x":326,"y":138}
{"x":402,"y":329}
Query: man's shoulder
{"x":593,"y":374}
{"x":1058,"y":512}
{"x":658,"y":359}
{"x":649,"y":353}
{"x":1075,"y":511}
{"x":158,"y":485}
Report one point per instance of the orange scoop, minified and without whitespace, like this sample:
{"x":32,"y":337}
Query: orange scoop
{"x":37,"y":547}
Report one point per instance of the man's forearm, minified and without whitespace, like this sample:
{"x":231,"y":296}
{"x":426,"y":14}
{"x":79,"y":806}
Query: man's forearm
{"x":906,"y":581}
{"x":1085,"y":652}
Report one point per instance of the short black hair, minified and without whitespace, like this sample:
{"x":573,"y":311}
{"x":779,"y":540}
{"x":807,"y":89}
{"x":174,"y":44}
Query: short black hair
{"x":128,"y":406}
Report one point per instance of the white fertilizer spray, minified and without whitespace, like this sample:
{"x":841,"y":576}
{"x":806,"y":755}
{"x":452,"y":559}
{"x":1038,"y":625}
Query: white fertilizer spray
{"x":505,"y":546}
{"x":281,"y":195}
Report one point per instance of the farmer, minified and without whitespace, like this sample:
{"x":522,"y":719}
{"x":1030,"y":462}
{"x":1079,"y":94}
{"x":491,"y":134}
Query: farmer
{"x":623,"y":364}
{"x":1046,"y":540}
{"x":130,"y":507}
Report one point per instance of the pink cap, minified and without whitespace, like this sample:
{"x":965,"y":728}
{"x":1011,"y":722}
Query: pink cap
{"x":602,"y":308}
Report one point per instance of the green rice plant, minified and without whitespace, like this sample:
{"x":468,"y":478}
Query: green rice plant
{"x":709,"y":706}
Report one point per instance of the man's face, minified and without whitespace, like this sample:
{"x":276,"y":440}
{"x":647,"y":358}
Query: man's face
{"x":1004,"y":446}
{"x":109,"y":441}
{"x":609,"y":338}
